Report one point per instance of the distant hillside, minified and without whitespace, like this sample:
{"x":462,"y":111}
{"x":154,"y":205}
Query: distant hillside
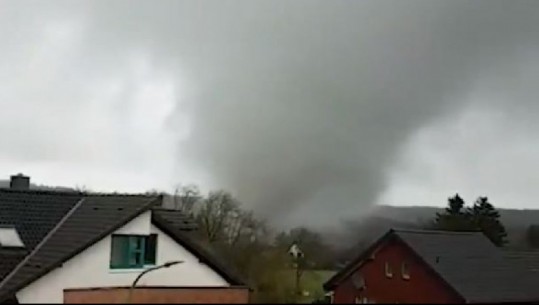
{"x":354,"y":235}
{"x":510,"y":217}
{"x":384,"y":217}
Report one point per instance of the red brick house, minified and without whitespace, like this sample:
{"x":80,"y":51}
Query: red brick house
{"x":407,"y":266}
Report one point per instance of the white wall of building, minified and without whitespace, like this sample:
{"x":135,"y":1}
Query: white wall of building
{"x":91,"y":268}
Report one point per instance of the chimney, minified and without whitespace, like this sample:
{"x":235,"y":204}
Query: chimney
{"x":19,"y":182}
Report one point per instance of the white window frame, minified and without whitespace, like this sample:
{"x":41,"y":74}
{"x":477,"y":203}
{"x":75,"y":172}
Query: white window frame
{"x":388,"y":270}
{"x":405,"y":270}
{"x":331,"y":297}
{"x":364,"y":300}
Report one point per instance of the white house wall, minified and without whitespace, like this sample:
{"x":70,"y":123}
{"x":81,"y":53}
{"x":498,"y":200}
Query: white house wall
{"x":91,"y":268}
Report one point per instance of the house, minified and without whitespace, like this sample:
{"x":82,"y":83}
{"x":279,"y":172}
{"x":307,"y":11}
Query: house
{"x":80,"y":248}
{"x":407,"y":266}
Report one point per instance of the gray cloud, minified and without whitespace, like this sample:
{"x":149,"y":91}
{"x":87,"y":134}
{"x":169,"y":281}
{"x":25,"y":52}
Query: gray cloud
{"x":311,"y":115}
{"x":301,"y":108}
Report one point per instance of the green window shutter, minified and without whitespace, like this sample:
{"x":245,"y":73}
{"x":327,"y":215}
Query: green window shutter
{"x":119,"y":251}
{"x":136,"y":251}
{"x":150,"y":250}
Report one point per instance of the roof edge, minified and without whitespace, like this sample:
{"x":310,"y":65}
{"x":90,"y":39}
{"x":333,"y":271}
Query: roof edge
{"x":45,"y":271}
{"x":392,"y":233}
{"x":337,"y":278}
{"x":41,"y":243}
{"x":437,"y":232}
{"x":202,"y":254}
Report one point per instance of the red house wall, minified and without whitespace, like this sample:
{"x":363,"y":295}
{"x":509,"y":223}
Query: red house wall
{"x":422,"y":287}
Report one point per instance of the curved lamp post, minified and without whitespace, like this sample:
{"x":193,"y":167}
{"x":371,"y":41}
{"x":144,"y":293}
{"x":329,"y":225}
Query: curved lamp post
{"x":165,"y":265}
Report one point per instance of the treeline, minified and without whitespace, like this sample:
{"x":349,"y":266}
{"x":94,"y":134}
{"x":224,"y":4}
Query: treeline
{"x":257,"y":252}
{"x":260,"y":253}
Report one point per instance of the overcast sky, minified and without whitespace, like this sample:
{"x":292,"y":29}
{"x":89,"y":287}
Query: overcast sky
{"x":308,"y":111}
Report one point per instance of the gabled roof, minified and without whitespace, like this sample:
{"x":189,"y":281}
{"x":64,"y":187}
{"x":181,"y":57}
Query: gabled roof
{"x":33,"y":214}
{"x":179,"y":228}
{"x":467,"y":262}
{"x":73,"y":223}
{"x":90,"y":220}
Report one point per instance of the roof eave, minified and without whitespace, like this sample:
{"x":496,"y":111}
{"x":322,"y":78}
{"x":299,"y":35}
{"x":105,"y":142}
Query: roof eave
{"x":202,"y":254}
{"x":337,"y":278}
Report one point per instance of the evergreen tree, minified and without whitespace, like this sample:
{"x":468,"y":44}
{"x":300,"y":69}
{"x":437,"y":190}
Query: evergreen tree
{"x":482,"y":217}
{"x":455,"y":205}
{"x":487,"y":219}
{"x":455,"y":217}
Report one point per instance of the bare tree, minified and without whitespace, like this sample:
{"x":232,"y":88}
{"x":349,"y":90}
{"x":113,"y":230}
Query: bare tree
{"x":243,"y":226}
{"x":186,"y":197}
{"x":215,"y":214}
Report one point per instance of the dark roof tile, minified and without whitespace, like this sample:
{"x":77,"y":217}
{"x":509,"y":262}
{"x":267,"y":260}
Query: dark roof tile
{"x":80,"y":229}
{"x":473,"y":266}
{"x":25,"y":209}
{"x":33,"y":214}
{"x":528,"y":259}
{"x":183,"y":236}
{"x":57,"y":226}
{"x":176,"y":219}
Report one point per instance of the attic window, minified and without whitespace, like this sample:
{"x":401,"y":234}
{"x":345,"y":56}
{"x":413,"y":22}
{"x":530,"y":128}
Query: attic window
{"x":405,"y":271}
{"x":388,"y":270}
{"x":10,"y":238}
{"x":363,"y":300}
{"x":133,"y":251}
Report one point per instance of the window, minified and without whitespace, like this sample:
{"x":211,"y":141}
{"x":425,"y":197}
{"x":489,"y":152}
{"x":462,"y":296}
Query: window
{"x":132,"y":251}
{"x":388,"y":270}
{"x":405,"y":271}
{"x":363,"y":300}
{"x":10,"y":238}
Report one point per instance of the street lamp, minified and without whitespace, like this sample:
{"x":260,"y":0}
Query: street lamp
{"x":165,"y":265}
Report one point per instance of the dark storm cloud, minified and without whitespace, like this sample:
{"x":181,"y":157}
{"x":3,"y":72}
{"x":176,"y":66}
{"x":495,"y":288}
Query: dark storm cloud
{"x":304,"y":106}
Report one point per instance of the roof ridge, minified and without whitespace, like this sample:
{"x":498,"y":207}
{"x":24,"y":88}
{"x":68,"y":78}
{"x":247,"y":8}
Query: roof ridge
{"x":42,"y":192}
{"x":63,"y":192}
{"x":436,"y":232}
{"x":142,"y":195}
